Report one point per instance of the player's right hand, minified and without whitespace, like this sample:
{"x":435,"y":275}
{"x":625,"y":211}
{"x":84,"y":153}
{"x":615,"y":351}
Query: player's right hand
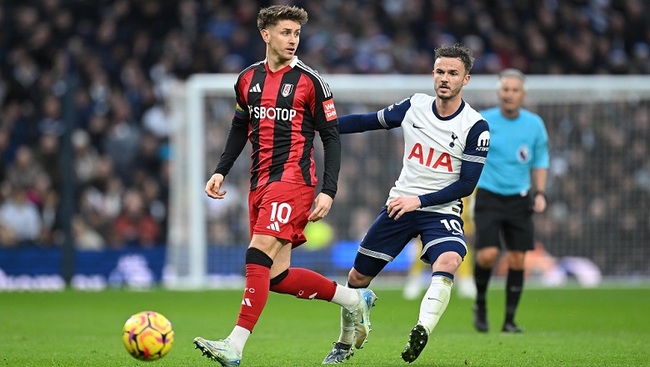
{"x":213,"y":187}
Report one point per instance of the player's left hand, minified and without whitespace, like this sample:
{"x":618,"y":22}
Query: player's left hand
{"x":403,"y":204}
{"x":213,"y":187}
{"x":322,"y":205}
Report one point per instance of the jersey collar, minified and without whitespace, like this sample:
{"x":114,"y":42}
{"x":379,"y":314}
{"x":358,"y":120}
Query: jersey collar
{"x":291,"y":65}
{"x":435,"y":111}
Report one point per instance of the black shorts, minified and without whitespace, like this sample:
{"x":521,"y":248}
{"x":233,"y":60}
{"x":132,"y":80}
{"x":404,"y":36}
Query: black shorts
{"x":506,"y":220}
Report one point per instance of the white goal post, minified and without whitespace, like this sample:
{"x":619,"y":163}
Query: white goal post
{"x":187,"y":255}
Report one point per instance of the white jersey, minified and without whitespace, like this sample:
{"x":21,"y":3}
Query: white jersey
{"x":434,"y":148}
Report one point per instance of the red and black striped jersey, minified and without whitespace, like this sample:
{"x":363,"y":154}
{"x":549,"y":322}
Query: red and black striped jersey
{"x":281,"y":112}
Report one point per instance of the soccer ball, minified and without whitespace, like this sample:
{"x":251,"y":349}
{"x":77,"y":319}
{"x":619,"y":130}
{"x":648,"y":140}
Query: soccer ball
{"x":148,"y":335}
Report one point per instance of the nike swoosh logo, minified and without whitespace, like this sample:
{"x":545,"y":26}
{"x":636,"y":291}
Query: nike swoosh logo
{"x":417,"y":127}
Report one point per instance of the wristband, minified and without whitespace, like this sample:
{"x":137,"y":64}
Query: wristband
{"x":540,"y":193}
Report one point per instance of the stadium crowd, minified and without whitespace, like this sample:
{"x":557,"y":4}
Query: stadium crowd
{"x":126,"y":53}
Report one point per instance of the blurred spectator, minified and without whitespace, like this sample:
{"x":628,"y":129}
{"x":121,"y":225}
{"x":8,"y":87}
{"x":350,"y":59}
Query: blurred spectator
{"x":50,"y":122}
{"x":135,"y":225}
{"x":85,"y":157}
{"x":85,"y":237}
{"x":156,"y":120}
{"x":47,"y":200}
{"x":122,"y":139}
{"x":48,"y":156}
{"x":24,"y":171}
{"x":149,"y":156}
{"x":101,"y":199}
{"x":20,"y":220}
{"x":155,"y":201}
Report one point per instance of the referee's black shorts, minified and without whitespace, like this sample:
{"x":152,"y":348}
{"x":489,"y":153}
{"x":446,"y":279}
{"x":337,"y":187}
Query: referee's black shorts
{"x":503,"y":221}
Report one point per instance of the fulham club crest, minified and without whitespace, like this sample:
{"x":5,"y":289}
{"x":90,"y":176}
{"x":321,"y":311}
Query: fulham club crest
{"x":287,"y":89}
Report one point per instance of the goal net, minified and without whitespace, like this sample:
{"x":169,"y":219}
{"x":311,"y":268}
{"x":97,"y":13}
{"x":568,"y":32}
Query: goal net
{"x":598,"y":184}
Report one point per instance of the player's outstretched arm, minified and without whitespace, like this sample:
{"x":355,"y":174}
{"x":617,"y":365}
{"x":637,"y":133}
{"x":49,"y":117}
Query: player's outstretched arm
{"x":357,"y":123}
{"x":387,"y":118}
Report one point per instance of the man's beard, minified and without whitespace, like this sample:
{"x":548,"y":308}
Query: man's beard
{"x":453,"y":94}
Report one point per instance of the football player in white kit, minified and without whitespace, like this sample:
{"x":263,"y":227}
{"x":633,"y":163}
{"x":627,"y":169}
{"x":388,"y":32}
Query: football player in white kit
{"x":446,"y":143}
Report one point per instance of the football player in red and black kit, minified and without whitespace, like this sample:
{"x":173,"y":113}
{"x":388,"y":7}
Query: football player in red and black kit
{"x":281,"y":104}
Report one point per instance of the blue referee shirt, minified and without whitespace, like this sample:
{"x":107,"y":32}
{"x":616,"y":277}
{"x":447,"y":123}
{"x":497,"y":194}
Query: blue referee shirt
{"x":516,"y":147}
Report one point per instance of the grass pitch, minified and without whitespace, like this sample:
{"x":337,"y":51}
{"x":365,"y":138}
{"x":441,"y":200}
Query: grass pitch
{"x":565,"y":327}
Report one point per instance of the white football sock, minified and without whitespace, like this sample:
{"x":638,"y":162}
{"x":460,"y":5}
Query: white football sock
{"x":239,"y":336}
{"x":347,"y":298}
{"x":435,"y":302}
{"x":347,"y":328}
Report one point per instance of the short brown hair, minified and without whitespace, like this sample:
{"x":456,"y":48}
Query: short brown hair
{"x":273,"y":14}
{"x":458,"y":51}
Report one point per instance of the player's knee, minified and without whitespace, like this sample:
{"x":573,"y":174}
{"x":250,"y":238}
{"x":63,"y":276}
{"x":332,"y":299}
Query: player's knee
{"x":487,"y":257}
{"x":364,"y":270}
{"x":258,"y":257}
{"x":358,"y":280}
{"x":516,"y":260}
{"x":447,"y":262}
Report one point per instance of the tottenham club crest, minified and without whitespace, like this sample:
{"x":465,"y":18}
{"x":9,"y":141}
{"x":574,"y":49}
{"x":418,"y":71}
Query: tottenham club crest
{"x":287,"y":89}
{"x":453,"y":138}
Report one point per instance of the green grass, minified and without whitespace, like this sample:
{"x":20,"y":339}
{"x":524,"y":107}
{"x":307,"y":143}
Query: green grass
{"x":570,"y":327}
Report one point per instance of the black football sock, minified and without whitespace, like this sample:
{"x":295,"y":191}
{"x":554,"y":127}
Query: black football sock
{"x":482,"y":279}
{"x":514,"y":287}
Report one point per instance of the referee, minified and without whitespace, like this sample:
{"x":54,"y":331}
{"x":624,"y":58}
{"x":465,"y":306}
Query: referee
{"x":511,"y":188}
